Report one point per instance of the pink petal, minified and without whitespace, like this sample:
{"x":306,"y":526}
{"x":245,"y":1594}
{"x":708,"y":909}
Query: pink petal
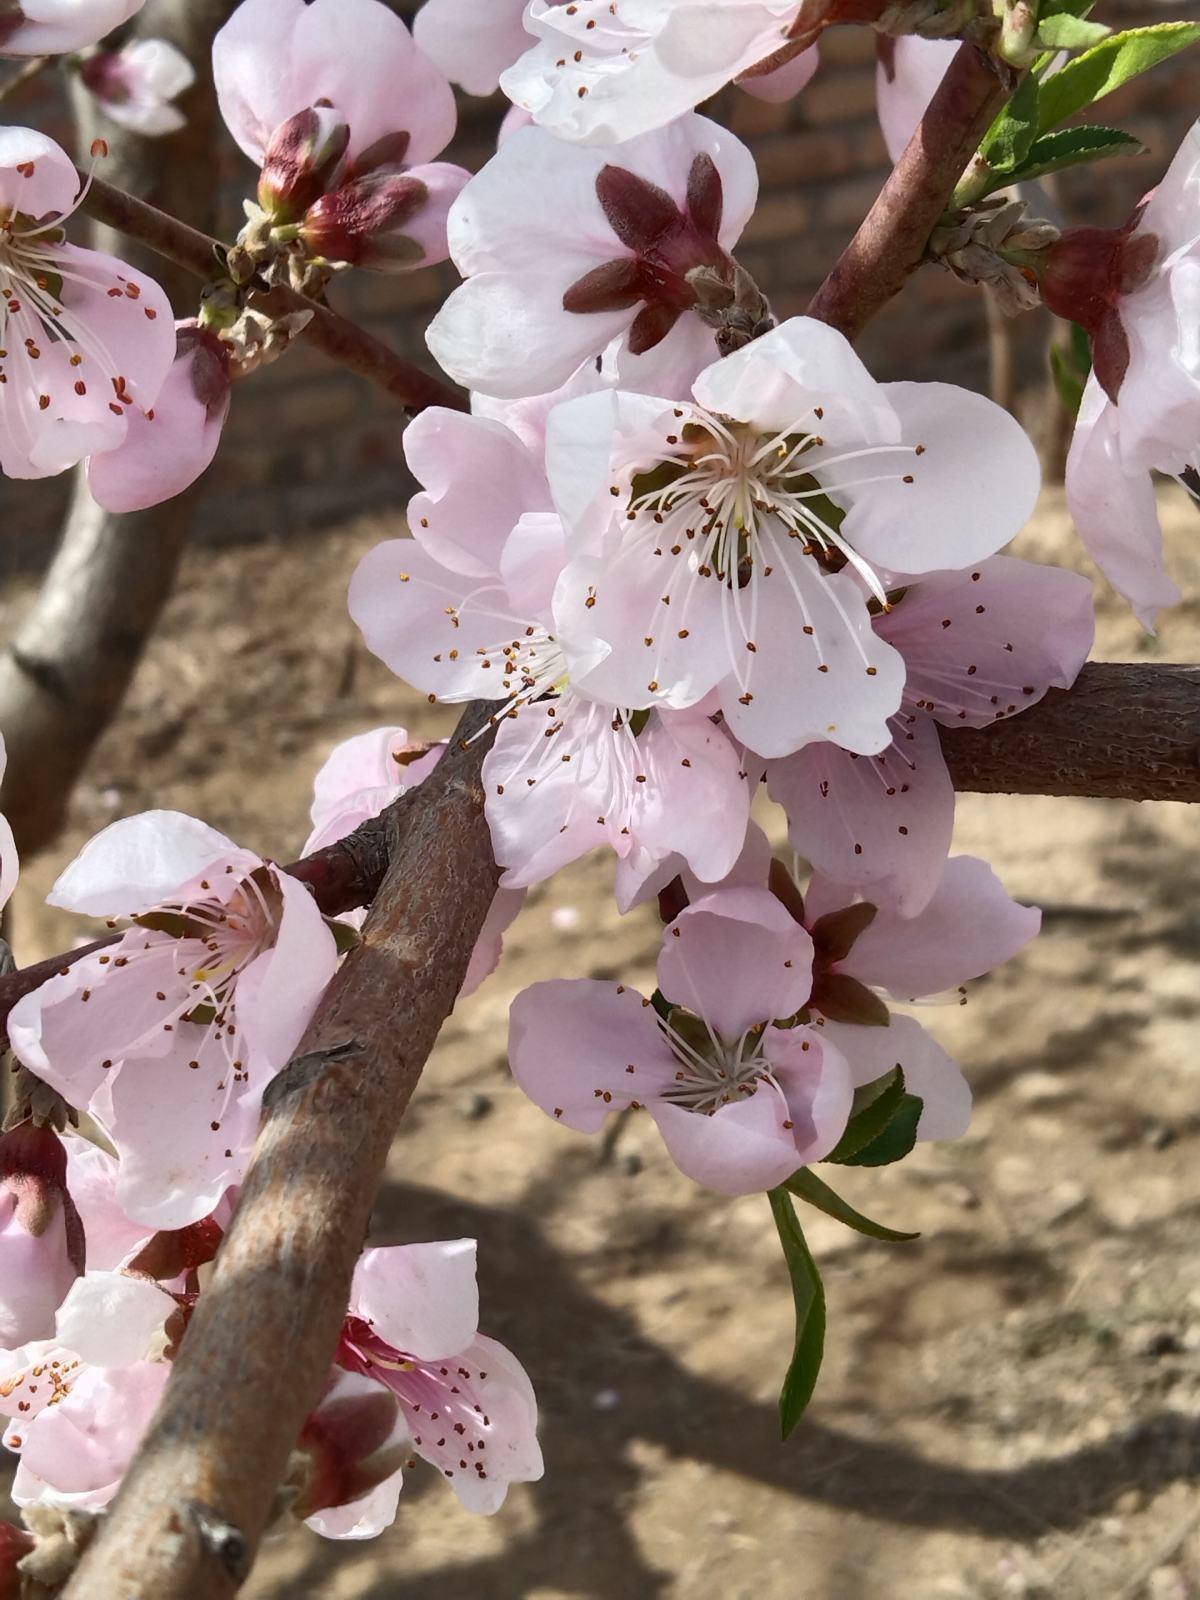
{"x":572,"y":1042}
{"x":637,"y":882}
{"x":736,"y":958}
{"x":365,"y":1518}
{"x":463,"y":518}
{"x":817,"y":1083}
{"x":973,"y":488}
{"x":740,"y":1149}
{"x":905,"y":82}
{"x":142,"y":861}
{"x":786,"y":81}
{"x":80,"y":1448}
{"x":278,"y":992}
{"x":50,"y":187}
{"x":471,"y":45}
{"x":967,"y":928}
{"x":879,"y":824}
{"x":928,"y":1071}
{"x":110,"y":1319}
{"x":52,"y":27}
{"x":421,"y":1298}
{"x":1116,"y":511}
{"x":984,"y":643}
{"x":485,"y":957}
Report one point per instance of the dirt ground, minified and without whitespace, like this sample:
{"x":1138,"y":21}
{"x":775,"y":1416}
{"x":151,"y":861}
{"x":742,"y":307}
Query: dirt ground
{"x":1010,"y":1406}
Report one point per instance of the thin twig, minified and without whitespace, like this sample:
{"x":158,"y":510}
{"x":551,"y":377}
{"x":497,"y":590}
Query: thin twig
{"x":198,"y":1496}
{"x":339,"y":338}
{"x":23,"y":75}
{"x":889,"y":245}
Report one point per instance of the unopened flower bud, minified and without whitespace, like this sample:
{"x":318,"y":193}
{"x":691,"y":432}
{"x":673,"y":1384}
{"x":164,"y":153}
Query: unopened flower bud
{"x":301,"y":159}
{"x":350,"y":1444}
{"x":41,"y":1237}
{"x":387,"y":220}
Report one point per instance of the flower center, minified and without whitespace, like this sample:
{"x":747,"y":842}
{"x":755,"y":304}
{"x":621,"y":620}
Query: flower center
{"x":712,"y":1072}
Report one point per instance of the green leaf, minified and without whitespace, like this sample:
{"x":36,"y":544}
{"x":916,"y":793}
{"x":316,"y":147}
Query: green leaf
{"x":1105,"y":67}
{"x":808,"y":1293}
{"x":1071,"y":147}
{"x":875,"y":1104}
{"x":661,"y":1004}
{"x":1067,"y":32}
{"x":1066,"y":8}
{"x":895,"y":1141}
{"x":345,"y":937}
{"x":1014,"y":130}
{"x":805,"y":1185}
{"x":1066,"y":380}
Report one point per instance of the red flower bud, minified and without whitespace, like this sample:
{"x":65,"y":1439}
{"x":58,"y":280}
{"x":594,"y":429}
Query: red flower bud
{"x":364,"y":221}
{"x":301,"y":159}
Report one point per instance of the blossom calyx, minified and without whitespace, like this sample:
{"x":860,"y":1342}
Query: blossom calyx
{"x":1084,"y":276}
{"x":349,"y":1445}
{"x":995,"y":244}
{"x":678,"y":263}
{"x":301,"y":159}
{"x":363,"y":222}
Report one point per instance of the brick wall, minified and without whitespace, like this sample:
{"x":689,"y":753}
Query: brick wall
{"x":308,"y":443}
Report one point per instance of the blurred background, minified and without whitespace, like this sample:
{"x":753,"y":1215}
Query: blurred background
{"x":1011,"y":1405}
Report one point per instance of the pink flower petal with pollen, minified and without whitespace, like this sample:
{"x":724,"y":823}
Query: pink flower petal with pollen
{"x":79,"y":1450}
{"x":36,"y":175}
{"x":880,"y":824}
{"x":421,"y":1298}
{"x":168,"y":447}
{"x":985,"y":643}
{"x":967,"y":928}
{"x":573,"y":1042}
{"x":277,"y":57}
{"x":110,"y":1320}
{"x":278,"y":992}
{"x":1116,"y":510}
{"x":928,"y":1071}
{"x":736,"y":958}
{"x":975,"y":455}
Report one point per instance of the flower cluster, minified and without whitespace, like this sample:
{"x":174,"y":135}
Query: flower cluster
{"x":685,"y":552}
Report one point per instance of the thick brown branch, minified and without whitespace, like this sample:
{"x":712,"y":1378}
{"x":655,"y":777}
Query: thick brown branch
{"x":891,"y":241}
{"x":340,"y":339}
{"x":199,"y":1494}
{"x":1126,"y":731}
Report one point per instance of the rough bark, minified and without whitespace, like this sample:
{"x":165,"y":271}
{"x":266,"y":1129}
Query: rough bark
{"x":199,"y":1495}
{"x":65,"y":674}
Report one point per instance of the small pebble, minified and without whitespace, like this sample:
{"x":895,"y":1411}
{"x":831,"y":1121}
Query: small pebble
{"x":473,"y":1107}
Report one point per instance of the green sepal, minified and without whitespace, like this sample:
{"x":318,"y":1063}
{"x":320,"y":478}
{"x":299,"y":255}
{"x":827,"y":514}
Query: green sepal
{"x":875,"y":1104}
{"x":806,"y":1186}
{"x":661,"y":1004}
{"x":345,"y":937}
{"x":808,"y":1294}
{"x":1106,"y":66}
{"x":1072,"y":147}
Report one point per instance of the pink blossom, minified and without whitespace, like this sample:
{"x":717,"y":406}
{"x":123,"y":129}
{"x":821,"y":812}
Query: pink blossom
{"x":413,"y":1327}
{"x":908,"y":75}
{"x":386,"y":198}
{"x":79,"y":1402}
{"x":600,"y":74}
{"x":41,"y":1239}
{"x":978,"y":646}
{"x":473,"y":44}
{"x":52,"y":27}
{"x":170,"y":1036}
{"x":565,"y":251}
{"x":465,"y":610}
{"x":741,"y":1102}
{"x":865,"y":960}
{"x":136,"y":85}
{"x":731,"y":543}
{"x":1135,"y":290}
{"x":87,"y":340}
{"x":361,"y":777}
{"x":171,"y":444}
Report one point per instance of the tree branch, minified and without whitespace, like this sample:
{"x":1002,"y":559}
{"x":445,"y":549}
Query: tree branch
{"x":198,"y":1496}
{"x":1126,"y":731}
{"x":340,"y":339}
{"x":891,"y":241}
